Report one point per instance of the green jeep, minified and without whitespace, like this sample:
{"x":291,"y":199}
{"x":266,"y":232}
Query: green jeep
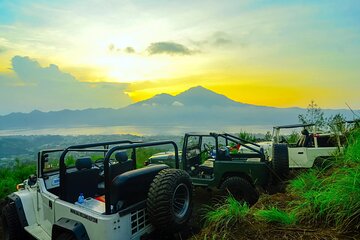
{"x":214,"y":160}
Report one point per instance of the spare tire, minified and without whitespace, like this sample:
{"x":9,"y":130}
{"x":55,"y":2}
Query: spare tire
{"x":169,"y":202}
{"x":280,"y":161}
{"x":240,"y":189}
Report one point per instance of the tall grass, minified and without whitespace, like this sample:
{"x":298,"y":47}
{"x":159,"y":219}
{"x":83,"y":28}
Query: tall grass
{"x":227,"y":214}
{"x":352,"y":151}
{"x":275,"y":215}
{"x":332,"y":199}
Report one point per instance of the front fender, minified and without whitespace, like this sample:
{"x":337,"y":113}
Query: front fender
{"x":25,"y":207}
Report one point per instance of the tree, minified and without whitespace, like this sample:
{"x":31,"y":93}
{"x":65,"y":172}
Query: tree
{"x":314,"y":115}
{"x":337,"y":124}
{"x":247,"y":136}
{"x":268,"y":136}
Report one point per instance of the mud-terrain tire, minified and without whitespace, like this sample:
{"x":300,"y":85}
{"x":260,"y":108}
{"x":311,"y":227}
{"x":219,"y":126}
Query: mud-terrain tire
{"x":280,"y":162}
{"x":240,"y":189}
{"x":169,"y":202}
{"x":66,"y":236}
{"x":11,"y":223}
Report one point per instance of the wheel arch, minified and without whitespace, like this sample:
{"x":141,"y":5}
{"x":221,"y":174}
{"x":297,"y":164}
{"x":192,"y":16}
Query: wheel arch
{"x":13,"y":198}
{"x":69,"y":226}
{"x":236,"y":174}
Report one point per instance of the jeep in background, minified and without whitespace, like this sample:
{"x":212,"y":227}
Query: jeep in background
{"x":313,"y":148}
{"x":104,"y":199}
{"x":213,"y":161}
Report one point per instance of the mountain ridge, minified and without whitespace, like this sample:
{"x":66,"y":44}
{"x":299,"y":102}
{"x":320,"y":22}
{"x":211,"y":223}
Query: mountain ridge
{"x":195,"y":106}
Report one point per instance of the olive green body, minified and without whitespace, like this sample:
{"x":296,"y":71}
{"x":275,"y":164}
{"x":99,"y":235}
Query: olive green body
{"x":251,"y":166}
{"x":256,"y":173}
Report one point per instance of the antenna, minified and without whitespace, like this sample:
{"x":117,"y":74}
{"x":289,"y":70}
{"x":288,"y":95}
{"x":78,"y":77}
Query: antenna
{"x":352,"y":111}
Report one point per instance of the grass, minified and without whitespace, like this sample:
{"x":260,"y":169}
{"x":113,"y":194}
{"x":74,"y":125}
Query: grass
{"x":327,"y":198}
{"x":10,"y":177}
{"x":275,"y":215}
{"x":228,"y":213}
{"x":332,"y":199}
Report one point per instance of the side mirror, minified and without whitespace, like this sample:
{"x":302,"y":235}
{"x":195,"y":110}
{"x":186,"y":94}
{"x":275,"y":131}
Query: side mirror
{"x":32,"y":180}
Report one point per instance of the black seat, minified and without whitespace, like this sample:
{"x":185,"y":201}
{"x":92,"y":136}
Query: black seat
{"x":223,"y":154}
{"x":82,"y":180}
{"x":123,"y":165}
{"x":133,"y":186}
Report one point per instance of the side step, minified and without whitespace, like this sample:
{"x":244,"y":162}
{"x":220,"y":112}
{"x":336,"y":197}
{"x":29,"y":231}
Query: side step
{"x":37,"y":232}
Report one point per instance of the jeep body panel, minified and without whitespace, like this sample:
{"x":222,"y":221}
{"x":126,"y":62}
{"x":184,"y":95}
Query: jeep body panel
{"x":302,"y":157}
{"x":256,"y":172}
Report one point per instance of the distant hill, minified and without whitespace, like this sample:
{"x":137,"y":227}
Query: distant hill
{"x":197,"y":106}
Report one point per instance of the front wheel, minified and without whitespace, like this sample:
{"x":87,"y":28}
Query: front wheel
{"x":11,"y":224}
{"x":169,"y":201}
{"x":240,"y":189}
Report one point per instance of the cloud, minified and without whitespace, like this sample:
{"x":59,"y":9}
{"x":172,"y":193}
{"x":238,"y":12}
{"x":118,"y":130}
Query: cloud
{"x":113,"y":48}
{"x":177,"y":104}
{"x":220,"y":39}
{"x":31,"y":86}
{"x":2,"y":50}
{"x":170,"y":48}
{"x":30,"y":71}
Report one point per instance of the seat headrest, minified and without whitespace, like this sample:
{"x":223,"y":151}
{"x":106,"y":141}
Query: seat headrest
{"x":121,"y":156}
{"x":83,"y":163}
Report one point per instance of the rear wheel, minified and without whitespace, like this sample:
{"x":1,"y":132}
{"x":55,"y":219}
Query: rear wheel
{"x":240,"y":189}
{"x":11,"y":224}
{"x":169,"y":202}
{"x":280,"y":161}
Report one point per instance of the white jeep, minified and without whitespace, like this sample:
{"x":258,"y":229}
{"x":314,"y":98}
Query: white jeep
{"x":121,"y":202}
{"x":313,"y":148}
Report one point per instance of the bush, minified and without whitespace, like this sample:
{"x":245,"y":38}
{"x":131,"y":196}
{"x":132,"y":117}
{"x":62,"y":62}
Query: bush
{"x":10,"y":177}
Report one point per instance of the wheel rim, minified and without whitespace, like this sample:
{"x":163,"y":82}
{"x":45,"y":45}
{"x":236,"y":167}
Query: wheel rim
{"x":181,"y":200}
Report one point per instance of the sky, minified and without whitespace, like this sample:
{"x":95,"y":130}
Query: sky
{"x":88,"y":54}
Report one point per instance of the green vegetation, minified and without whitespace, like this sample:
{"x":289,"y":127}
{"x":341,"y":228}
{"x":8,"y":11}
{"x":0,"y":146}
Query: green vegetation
{"x":228,"y":213}
{"x":275,"y":215}
{"x":320,"y":198}
{"x":331,"y":197}
{"x":247,"y":136}
{"x":143,"y":154}
{"x":314,"y":114}
{"x":10,"y":177}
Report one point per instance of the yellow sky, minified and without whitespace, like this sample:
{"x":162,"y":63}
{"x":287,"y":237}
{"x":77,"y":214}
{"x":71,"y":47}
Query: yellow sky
{"x":266,"y":54}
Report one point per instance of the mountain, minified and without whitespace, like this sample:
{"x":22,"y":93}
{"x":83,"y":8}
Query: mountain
{"x":197,"y":106}
{"x":196,"y":96}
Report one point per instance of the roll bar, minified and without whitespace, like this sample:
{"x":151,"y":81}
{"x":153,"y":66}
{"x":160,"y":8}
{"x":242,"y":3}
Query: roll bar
{"x":238,"y":140}
{"x":123,"y":147}
{"x":82,"y":147}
